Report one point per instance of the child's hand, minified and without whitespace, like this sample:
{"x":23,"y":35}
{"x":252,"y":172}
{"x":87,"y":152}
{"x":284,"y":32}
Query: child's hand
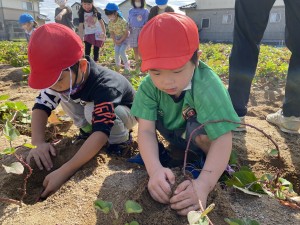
{"x":58,"y":17}
{"x":41,"y":155}
{"x":53,"y":182}
{"x":159,"y":185}
{"x":185,"y":198}
{"x":102,"y":36}
{"x":117,"y":42}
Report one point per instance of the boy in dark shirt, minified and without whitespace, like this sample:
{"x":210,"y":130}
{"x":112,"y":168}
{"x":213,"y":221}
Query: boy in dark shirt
{"x":97,"y":99}
{"x":63,"y":14}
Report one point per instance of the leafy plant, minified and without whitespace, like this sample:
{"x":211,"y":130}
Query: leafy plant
{"x":136,"y":81}
{"x":130,"y":207}
{"x":273,"y":185}
{"x":11,"y":133}
{"x":15,"y":112}
{"x":14,"y":53}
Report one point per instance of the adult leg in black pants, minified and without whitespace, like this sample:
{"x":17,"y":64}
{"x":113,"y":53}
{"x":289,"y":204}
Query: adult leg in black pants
{"x":291,"y":104}
{"x":288,"y":119}
{"x":251,"y":19}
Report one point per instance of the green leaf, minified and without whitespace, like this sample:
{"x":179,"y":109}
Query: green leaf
{"x":16,"y":168}
{"x":288,"y":185}
{"x":8,"y":151}
{"x":284,"y":182}
{"x":26,"y":70}
{"x":241,"y":222}
{"x":20,"y":106}
{"x":10,"y":132}
{"x":280,"y":195}
{"x":233,"y":158}
{"x":234,"y":181}
{"x":4,"y":97}
{"x":11,"y":105}
{"x":203,"y":221}
{"x":28,"y":145}
{"x":245,"y":177}
{"x":274,"y":152}
{"x":134,"y":223}
{"x":267,"y":177}
{"x":246,"y":191}
{"x":104,"y":206}
{"x":133,"y":207}
{"x":233,"y":221}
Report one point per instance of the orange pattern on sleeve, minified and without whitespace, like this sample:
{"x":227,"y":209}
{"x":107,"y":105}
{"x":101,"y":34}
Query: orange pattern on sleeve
{"x":104,"y":113}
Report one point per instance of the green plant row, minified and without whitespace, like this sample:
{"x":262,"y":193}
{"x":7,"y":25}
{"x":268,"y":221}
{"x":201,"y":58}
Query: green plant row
{"x":13,"y":53}
{"x":273,"y":61}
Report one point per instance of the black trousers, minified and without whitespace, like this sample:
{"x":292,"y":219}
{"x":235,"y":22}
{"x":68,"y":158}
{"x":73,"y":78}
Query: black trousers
{"x":251,"y":19}
{"x":88,"y":47}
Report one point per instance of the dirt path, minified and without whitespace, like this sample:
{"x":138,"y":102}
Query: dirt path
{"x":115,"y":180}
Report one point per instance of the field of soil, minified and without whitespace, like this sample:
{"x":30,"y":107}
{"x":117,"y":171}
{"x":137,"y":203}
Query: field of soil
{"x":113,"y":179}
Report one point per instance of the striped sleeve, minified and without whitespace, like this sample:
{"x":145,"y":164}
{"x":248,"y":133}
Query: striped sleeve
{"x":47,"y":100}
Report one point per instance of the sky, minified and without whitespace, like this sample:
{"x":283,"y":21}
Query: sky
{"x":48,"y":6}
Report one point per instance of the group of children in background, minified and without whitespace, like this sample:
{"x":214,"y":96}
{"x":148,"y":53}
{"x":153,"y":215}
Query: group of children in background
{"x":92,"y":29}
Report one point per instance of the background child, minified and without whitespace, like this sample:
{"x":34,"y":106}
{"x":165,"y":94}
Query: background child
{"x":92,"y":25}
{"x":96,"y":98}
{"x":28,"y":24}
{"x":160,"y":7}
{"x":63,"y":14}
{"x":178,"y":95}
{"x":137,"y":18}
{"x":119,"y":33}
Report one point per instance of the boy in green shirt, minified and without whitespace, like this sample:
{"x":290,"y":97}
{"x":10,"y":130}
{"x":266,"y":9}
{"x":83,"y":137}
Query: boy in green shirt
{"x":179,"y":94}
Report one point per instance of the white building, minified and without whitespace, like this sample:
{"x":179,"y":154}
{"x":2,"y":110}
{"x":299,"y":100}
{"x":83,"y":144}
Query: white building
{"x":10,"y":11}
{"x":215,"y":20}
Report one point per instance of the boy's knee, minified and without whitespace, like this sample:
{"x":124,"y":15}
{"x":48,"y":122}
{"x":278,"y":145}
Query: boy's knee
{"x":123,"y":112}
{"x":203,"y":142}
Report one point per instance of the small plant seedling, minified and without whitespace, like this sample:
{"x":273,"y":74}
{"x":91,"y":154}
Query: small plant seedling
{"x":130,"y":207}
{"x":15,"y":112}
{"x":133,"y":207}
{"x":11,"y":133}
{"x":241,"y":222}
{"x":103,"y":206}
{"x":200,"y":218}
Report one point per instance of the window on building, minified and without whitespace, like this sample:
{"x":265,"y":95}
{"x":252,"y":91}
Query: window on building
{"x":275,"y":17}
{"x":1,"y":26}
{"x":77,"y":7}
{"x":227,"y":19}
{"x":205,"y":23}
{"x":27,"y":6}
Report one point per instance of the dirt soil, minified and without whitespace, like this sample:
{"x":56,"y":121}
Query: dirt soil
{"x":113,"y":179}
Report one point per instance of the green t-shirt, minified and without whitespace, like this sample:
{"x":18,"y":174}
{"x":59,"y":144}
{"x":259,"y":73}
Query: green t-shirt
{"x":207,"y":96}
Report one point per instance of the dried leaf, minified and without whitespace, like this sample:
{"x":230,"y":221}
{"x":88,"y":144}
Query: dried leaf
{"x":53,"y":119}
{"x":16,"y":168}
{"x":289,"y":204}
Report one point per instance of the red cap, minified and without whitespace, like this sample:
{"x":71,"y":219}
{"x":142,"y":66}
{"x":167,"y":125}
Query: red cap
{"x":52,"y":48}
{"x":168,"y":41}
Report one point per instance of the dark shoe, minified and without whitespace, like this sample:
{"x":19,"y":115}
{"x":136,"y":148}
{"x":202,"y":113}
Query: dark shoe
{"x":195,"y":167}
{"x":164,"y":156}
{"x":120,"y":149}
{"x":81,"y":136}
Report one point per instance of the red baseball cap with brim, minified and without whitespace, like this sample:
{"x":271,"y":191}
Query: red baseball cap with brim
{"x":168,"y":41}
{"x":52,"y":48}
